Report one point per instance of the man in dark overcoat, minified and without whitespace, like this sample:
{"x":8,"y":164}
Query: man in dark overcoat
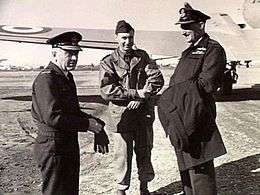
{"x":55,"y":108}
{"x":128,"y":79}
{"x":187,"y":108}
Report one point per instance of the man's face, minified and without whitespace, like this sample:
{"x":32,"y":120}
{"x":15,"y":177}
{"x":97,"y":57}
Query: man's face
{"x":67,"y":59}
{"x":125,"y":41}
{"x":192,"y":31}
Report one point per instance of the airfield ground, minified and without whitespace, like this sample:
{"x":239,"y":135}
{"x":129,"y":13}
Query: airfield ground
{"x":238,"y":172}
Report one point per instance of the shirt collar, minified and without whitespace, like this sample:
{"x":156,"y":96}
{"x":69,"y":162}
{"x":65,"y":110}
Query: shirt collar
{"x":58,"y":70}
{"x":123,"y":54}
{"x":201,"y":42}
{"x":197,"y":42}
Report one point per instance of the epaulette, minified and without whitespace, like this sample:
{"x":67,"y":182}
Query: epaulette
{"x":105,"y":57}
{"x":46,"y":71}
{"x":212,"y":41}
{"x":140,"y":52}
{"x":152,"y":65}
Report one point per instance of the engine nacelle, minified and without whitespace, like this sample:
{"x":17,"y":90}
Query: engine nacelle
{"x":251,"y":13}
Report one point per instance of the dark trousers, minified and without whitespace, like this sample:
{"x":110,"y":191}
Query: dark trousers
{"x":59,"y":162}
{"x":199,"y":180}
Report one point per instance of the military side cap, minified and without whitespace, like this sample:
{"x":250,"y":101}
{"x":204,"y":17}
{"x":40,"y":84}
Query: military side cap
{"x":189,"y":15}
{"x":67,"y":41}
{"x":123,"y":27}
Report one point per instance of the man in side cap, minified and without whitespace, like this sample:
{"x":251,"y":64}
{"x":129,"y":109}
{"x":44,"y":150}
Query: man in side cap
{"x":128,"y":79}
{"x":55,"y":108}
{"x":187,"y":108}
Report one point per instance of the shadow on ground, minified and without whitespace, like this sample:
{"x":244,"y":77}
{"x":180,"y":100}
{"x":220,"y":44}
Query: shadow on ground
{"x":18,"y":98}
{"x":85,"y":98}
{"x":233,"y":178}
{"x":243,"y":94}
{"x":92,"y":99}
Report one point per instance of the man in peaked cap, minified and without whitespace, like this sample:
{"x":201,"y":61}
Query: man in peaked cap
{"x":128,"y":79}
{"x":188,"y":15}
{"x":66,"y":41}
{"x":187,"y":108}
{"x":55,"y":108}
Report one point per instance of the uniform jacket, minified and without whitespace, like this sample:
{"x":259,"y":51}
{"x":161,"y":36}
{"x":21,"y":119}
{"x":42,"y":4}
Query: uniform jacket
{"x":187,"y":108}
{"x":119,"y":82}
{"x":55,"y":105}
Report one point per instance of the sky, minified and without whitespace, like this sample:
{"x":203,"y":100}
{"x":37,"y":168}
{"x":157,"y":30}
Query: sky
{"x":104,"y":14}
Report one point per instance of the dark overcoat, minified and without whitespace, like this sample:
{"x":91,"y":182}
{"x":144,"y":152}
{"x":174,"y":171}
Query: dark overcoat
{"x":55,"y":108}
{"x":187,"y":108}
{"x":55,"y":105}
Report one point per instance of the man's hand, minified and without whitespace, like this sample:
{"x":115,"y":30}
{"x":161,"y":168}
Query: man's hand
{"x":133,"y":105}
{"x":96,"y":125}
{"x":101,"y":142}
{"x":143,"y":94}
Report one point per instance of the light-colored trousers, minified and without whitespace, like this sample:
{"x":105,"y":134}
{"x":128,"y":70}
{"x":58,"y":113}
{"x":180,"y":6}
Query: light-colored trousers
{"x":140,"y":141}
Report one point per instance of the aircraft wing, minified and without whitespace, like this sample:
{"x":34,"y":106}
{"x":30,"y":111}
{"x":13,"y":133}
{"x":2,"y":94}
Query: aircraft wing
{"x":239,"y":44}
{"x":166,"y":43}
{"x":39,"y":35}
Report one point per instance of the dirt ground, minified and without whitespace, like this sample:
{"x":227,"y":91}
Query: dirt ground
{"x":238,"y":172}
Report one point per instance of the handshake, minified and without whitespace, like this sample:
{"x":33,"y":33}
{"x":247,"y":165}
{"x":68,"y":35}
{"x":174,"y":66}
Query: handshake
{"x":101,"y":140}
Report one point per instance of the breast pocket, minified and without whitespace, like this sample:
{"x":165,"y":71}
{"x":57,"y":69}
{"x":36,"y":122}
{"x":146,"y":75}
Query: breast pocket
{"x":195,"y":61}
{"x":121,"y":72}
{"x":68,"y":99}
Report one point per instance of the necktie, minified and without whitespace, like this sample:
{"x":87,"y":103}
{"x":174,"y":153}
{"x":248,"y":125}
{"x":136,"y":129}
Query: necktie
{"x":127,"y":58}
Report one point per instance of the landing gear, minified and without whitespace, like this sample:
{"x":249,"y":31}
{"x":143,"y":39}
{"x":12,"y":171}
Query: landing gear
{"x":230,"y":77}
{"x":247,"y":63}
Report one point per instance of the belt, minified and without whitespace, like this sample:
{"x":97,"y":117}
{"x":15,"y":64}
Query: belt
{"x":45,"y":130}
{"x":58,"y":134}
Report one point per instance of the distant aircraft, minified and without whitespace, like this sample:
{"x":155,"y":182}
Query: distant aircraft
{"x":241,"y":44}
